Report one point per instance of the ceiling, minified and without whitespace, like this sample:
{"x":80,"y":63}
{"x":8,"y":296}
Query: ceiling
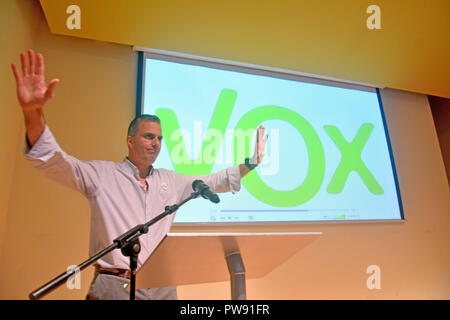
{"x":324,"y":37}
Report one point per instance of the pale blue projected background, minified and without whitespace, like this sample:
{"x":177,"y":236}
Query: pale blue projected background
{"x":192,"y":93}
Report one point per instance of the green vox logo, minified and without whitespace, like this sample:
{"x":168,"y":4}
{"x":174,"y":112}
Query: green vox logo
{"x":350,"y":150}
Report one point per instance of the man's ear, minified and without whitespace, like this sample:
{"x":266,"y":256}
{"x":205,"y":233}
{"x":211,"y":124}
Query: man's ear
{"x":130,"y":141}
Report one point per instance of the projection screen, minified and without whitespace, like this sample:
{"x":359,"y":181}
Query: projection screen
{"x":328,"y":156}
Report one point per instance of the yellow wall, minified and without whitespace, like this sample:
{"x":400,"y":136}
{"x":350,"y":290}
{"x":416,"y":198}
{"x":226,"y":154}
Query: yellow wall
{"x":325,"y":37}
{"x":47,"y":225}
{"x":21,"y":16}
{"x":93,"y":105}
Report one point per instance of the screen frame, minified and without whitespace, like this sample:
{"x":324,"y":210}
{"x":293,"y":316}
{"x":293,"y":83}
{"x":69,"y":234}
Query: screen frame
{"x":144,"y":53}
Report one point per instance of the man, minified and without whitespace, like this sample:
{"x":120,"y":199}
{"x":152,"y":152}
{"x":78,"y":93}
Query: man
{"x":121,"y":195}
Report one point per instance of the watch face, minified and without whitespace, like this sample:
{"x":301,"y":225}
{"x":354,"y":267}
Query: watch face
{"x":249,"y":165}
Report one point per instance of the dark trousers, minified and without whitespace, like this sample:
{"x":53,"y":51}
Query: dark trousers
{"x":110,"y":287}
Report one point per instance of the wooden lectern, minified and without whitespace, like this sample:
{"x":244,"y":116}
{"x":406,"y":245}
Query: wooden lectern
{"x":190,"y":258}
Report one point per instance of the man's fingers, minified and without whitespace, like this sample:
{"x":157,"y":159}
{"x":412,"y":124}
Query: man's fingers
{"x":51,"y":89}
{"x":23,"y":60}
{"x":265,"y":138}
{"x":40,"y":64}
{"x":261,"y":148}
{"x":31,"y":59}
{"x":16,"y":73}
{"x":263,"y":142}
{"x":261,"y":131}
{"x":261,"y":138}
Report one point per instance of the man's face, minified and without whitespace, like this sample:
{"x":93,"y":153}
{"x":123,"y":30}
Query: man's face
{"x":145,"y":146}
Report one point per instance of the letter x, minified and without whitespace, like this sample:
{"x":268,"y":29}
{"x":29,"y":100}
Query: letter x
{"x":351,"y":159}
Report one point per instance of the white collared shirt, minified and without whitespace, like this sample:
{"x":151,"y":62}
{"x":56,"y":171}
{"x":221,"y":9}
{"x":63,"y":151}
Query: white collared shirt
{"x":117,"y":199}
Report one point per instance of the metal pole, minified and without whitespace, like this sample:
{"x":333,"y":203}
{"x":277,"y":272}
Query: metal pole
{"x":237,"y":275}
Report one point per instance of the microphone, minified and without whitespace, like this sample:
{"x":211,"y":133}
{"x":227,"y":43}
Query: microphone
{"x":205,"y":191}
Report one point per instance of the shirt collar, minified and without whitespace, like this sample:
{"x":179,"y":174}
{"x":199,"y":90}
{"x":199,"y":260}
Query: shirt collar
{"x":131,"y":168}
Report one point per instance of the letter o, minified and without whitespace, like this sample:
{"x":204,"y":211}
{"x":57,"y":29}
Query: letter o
{"x":316,"y":156}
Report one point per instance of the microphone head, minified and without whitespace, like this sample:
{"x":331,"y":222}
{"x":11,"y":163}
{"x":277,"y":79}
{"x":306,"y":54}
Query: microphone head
{"x":204,"y":190}
{"x":214,"y":198}
{"x":197,"y":185}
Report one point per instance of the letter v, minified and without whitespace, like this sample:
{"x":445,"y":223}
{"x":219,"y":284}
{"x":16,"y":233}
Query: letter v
{"x":351,"y":159}
{"x":219,"y":122}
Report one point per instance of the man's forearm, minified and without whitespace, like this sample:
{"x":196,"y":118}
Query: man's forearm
{"x":34,"y":125}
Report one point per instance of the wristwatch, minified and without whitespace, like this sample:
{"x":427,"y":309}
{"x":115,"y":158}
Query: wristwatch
{"x":249,"y":165}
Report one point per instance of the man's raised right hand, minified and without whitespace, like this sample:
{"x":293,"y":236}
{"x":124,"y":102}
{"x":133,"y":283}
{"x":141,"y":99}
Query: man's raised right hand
{"x":32,"y":91}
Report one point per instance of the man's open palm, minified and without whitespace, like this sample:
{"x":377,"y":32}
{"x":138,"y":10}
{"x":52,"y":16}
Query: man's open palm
{"x":32,"y":91}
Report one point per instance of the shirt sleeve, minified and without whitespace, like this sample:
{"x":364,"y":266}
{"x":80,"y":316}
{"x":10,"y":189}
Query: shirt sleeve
{"x":48,"y":157}
{"x":226,"y":180}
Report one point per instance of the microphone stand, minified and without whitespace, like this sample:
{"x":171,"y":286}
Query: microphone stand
{"x":127,"y":242}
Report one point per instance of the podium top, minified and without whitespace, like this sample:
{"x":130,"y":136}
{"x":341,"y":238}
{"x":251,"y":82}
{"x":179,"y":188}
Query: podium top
{"x":188,"y":258}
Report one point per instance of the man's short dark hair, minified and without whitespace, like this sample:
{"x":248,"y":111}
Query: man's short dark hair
{"x":134,"y":125}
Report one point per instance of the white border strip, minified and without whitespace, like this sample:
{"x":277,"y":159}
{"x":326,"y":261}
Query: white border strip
{"x":238,"y":234}
{"x":250,"y":66}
